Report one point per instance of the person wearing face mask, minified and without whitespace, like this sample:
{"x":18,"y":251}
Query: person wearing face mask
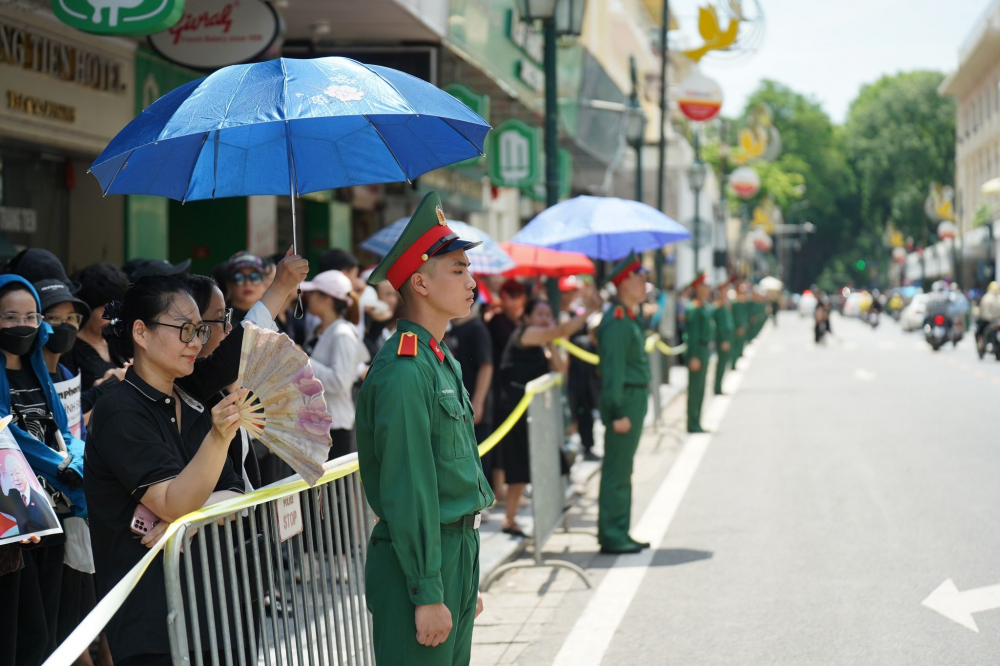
{"x":41,"y":429}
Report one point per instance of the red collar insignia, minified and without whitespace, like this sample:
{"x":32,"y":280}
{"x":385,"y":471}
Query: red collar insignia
{"x":619,"y":312}
{"x":436,"y":349}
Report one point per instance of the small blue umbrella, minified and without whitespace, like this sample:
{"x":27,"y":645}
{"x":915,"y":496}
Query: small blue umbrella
{"x":487,"y":259}
{"x":603,"y":228}
{"x":289,"y":126}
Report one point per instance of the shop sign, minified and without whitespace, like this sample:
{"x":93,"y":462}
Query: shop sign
{"x":745,"y":182}
{"x":118,"y":17}
{"x":699,"y":97}
{"x":532,"y":44}
{"x":512,"y":150}
{"x":537,"y":193}
{"x":36,"y":106}
{"x":27,"y":50}
{"x":215,"y":33}
{"x":480,"y":104}
{"x":18,"y":220}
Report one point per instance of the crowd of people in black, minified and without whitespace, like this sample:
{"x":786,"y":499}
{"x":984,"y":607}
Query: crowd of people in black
{"x":147,"y":429}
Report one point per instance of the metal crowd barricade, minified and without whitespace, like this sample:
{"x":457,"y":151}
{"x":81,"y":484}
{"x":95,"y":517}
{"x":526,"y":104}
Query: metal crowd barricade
{"x":281,"y":584}
{"x":655,"y":359}
{"x":546,"y":434}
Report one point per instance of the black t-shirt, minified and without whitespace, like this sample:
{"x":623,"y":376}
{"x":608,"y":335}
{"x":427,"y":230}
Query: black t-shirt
{"x":86,"y":361}
{"x":471,"y":345}
{"x":29,"y":405}
{"x":134,"y":443}
{"x":520,"y":365}
{"x":500,"y":328}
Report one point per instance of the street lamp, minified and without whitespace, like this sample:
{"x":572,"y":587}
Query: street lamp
{"x":635,"y":130}
{"x":696,"y":174}
{"x":560,"y":18}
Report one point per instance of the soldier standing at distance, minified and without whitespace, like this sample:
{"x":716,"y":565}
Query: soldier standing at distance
{"x":625,"y":380}
{"x":699,"y":337}
{"x":724,"y":331}
{"x":419,"y":460}
{"x":740,"y":321}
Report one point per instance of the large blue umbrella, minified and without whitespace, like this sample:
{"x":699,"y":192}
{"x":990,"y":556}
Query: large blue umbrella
{"x":603,"y":228}
{"x":289,"y":127}
{"x":486,"y":259}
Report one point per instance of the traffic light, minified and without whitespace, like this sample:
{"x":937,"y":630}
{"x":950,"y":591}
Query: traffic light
{"x":860,"y":265}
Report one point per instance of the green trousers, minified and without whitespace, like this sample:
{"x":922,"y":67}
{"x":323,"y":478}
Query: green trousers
{"x":615,"y":503}
{"x":393,"y":613}
{"x":737,"y":351}
{"x":696,"y":396}
{"x":721,"y":362}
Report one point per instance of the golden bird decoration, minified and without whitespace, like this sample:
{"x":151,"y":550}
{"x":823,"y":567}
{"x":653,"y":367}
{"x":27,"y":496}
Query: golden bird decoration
{"x":716,"y":39}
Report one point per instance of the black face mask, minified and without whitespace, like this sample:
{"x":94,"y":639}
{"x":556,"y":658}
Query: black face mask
{"x":61,"y":339}
{"x":17,"y":340}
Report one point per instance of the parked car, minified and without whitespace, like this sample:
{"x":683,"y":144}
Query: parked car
{"x":912,"y":318}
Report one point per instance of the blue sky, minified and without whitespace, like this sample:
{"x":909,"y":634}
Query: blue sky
{"x":829,"y":48}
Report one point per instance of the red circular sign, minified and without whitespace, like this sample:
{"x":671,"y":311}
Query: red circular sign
{"x":700,"y":98}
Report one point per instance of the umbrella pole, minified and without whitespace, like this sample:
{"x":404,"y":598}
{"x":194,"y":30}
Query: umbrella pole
{"x":299,"y":310}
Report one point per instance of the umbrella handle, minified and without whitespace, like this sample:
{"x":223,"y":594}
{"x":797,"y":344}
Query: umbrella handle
{"x":299,"y":311}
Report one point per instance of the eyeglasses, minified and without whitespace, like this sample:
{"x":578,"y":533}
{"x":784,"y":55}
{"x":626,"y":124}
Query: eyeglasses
{"x":12,"y":319}
{"x":227,"y":319}
{"x":188,"y":331}
{"x":242,"y":278}
{"x":55,"y":320}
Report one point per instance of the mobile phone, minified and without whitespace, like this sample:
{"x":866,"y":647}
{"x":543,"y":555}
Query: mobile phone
{"x":143,"y":520}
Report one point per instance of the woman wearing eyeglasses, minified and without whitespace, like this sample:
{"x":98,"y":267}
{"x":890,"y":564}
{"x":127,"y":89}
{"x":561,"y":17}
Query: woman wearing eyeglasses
{"x":41,"y":430}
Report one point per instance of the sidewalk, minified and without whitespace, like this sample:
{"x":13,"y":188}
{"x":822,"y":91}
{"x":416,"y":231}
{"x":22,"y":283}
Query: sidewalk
{"x":497,"y":548}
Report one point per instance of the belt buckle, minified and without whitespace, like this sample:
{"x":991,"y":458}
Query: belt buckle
{"x":477,"y":521}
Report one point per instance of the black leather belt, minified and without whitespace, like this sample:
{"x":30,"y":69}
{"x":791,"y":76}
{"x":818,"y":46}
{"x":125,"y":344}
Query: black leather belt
{"x":471,"y":521}
{"x":637,"y":386}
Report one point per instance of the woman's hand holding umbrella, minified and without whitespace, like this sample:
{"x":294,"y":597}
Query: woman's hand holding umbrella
{"x":288,"y":275}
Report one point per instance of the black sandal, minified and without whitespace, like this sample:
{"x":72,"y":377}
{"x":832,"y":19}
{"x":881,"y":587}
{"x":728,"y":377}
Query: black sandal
{"x":515,"y":531}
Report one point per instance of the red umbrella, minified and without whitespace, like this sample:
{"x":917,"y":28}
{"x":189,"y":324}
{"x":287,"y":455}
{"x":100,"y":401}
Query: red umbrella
{"x":535,"y":261}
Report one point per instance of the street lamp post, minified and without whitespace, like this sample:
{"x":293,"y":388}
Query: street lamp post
{"x":559,"y":18}
{"x":696,"y":174}
{"x":635,"y":130}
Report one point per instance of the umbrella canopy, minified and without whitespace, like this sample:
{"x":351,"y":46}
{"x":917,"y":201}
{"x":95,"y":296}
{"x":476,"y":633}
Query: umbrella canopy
{"x":487,"y":259}
{"x":771,"y":283}
{"x":602,"y":227}
{"x":289,"y":126}
{"x":534,"y":261}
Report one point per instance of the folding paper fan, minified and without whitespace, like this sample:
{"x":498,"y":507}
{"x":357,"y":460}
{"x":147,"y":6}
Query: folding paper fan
{"x":285,"y":409}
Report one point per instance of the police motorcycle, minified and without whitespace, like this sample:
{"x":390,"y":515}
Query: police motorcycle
{"x":938,"y":330}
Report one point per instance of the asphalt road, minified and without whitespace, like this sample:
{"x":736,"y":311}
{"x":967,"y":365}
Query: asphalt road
{"x":843,"y":486}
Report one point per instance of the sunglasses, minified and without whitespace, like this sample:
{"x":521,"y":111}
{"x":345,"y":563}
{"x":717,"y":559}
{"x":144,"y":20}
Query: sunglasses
{"x":188,"y":331}
{"x":243,"y":278}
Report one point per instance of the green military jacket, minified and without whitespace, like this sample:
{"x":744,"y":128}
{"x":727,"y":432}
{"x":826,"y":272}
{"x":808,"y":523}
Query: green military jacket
{"x":621,"y":346}
{"x":417,"y":451}
{"x":740,"y":316}
{"x":699,"y":331}
{"x":725,"y":329}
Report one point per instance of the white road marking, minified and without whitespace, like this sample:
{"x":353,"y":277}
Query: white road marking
{"x":864,"y":375}
{"x":595,"y":628}
{"x":959,"y":606}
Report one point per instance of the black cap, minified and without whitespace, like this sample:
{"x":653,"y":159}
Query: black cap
{"x":35,"y":264}
{"x":137,"y":268}
{"x":54,"y":292}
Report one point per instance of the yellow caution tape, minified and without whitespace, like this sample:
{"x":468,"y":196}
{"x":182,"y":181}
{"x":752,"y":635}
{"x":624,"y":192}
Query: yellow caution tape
{"x":578,"y":352}
{"x":501,"y":432}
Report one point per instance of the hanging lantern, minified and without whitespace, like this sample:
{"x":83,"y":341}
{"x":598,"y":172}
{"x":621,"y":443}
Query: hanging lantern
{"x":947,"y":230}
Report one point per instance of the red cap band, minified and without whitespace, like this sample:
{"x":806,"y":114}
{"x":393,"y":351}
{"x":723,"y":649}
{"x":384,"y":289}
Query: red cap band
{"x":412,"y":259}
{"x":628,"y":270}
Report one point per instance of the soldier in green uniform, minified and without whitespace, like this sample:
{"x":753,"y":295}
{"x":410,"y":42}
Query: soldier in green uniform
{"x":740,"y":321}
{"x":419,"y":461}
{"x":724,"y":331}
{"x":625,"y":378}
{"x":699,"y":337}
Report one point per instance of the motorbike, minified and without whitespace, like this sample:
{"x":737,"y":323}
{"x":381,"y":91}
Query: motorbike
{"x":872,"y":317}
{"x":938,"y":331}
{"x":988,"y":340}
